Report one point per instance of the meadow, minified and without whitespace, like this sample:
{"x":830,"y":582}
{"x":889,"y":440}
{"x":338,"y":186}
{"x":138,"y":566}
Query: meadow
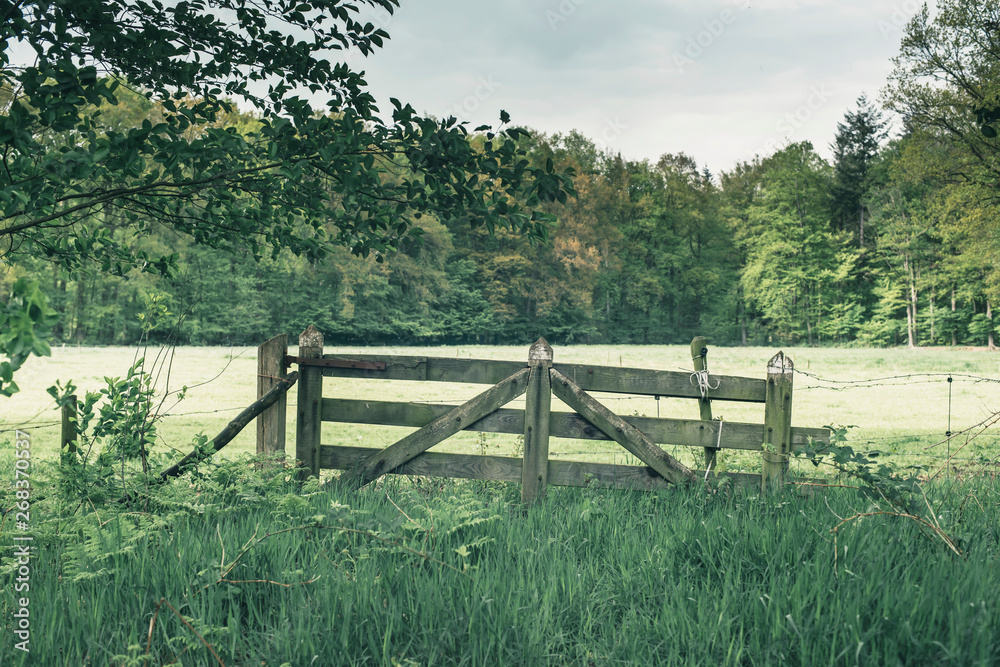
{"x":252,"y":571}
{"x":241,"y":566}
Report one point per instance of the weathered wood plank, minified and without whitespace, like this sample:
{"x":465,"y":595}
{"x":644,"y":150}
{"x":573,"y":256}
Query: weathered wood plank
{"x":537,"y":410}
{"x":660,"y":383}
{"x":443,"y":427}
{"x":309,"y":414}
{"x":434,"y":369}
{"x":507,"y":469}
{"x":699,"y":355}
{"x":431,"y":464}
{"x":801,"y":435}
{"x":271,"y":372}
{"x":619,"y":430}
{"x":589,"y":378}
{"x":683,"y":432}
{"x":777,"y":421}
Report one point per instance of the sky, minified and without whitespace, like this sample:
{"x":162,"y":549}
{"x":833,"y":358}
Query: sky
{"x":719,"y":80}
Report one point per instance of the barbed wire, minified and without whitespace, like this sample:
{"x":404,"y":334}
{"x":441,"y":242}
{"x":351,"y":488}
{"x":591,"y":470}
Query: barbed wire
{"x":35,"y":426}
{"x":202,"y":412}
{"x":891,"y":380}
{"x":916,"y":439}
{"x":926,"y":456}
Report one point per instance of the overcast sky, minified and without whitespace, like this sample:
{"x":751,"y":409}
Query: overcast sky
{"x":721,"y":80}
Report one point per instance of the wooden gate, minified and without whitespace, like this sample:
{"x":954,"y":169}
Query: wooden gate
{"x":538,"y":379}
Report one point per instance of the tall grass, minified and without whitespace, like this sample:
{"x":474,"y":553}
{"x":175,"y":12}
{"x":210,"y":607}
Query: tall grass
{"x":241,"y":567}
{"x":429,"y":572}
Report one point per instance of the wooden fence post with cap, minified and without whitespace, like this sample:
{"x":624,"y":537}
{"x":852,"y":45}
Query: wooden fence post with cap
{"x":271,"y":371}
{"x":699,"y":354}
{"x":537,"y":408}
{"x":310,"y":403}
{"x":777,"y":422}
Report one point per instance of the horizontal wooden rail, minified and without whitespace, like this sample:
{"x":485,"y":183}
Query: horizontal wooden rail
{"x":433,"y":369}
{"x":684,"y":432}
{"x":648,"y":382}
{"x":506,"y":469}
{"x":335,"y":362}
{"x":589,"y":378}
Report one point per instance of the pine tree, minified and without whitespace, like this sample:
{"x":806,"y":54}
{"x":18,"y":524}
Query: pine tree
{"x":855,"y":147}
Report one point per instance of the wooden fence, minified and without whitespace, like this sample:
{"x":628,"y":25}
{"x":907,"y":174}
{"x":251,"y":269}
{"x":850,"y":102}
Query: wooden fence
{"x":538,"y":379}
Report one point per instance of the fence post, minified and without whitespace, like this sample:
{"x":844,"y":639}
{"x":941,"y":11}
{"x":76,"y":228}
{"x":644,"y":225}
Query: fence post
{"x":68,"y":436}
{"x":310,"y":403}
{"x":538,"y":402}
{"x":270,"y":371}
{"x":699,"y":354}
{"x":777,"y":422}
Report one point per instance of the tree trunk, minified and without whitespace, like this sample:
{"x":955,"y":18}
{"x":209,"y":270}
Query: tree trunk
{"x":911,"y":306}
{"x":741,"y":310}
{"x":790,"y":325}
{"x":809,"y":331}
{"x":861,"y":228}
{"x":989,"y":318}
{"x":954,"y":307}
{"x":79,"y":332}
{"x":932,"y":316}
{"x":58,"y":286}
{"x":909,"y":326}
{"x":819,"y":317}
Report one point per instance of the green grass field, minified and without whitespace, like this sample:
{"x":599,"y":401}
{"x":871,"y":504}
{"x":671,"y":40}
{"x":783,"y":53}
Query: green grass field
{"x":904,"y":417}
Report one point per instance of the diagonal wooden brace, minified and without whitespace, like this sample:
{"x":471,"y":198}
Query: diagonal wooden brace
{"x":620,"y":430}
{"x":232,"y":429}
{"x":443,"y":427}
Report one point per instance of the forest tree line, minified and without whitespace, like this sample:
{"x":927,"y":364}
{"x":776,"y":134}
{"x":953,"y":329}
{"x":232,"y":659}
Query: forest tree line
{"x":876,"y":249}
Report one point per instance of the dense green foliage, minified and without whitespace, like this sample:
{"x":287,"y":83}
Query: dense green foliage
{"x":81,"y":187}
{"x":25,"y":327}
{"x":428,"y":573}
{"x":646,"y":253}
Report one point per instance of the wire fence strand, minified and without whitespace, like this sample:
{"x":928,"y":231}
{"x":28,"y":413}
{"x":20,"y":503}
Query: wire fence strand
{"x":890,"y":380}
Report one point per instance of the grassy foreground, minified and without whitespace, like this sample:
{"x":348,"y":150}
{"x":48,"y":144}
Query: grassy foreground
{"x":415,"y":572}
{"x":236,"y":567}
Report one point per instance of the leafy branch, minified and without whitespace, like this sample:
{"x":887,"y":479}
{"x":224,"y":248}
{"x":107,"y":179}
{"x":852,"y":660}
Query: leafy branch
{"x":880,"y":482}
